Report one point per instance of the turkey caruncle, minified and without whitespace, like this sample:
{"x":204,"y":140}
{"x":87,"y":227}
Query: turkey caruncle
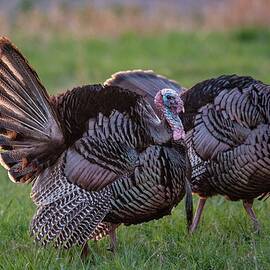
{"x":228,"y":134}
{"x":97,"y":156}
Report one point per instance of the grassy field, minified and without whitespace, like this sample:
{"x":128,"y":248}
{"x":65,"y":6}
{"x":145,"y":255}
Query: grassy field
{"x":225,"y":239}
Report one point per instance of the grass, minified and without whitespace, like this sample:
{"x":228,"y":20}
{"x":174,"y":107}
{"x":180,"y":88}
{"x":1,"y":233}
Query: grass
{"x":225,"y":239}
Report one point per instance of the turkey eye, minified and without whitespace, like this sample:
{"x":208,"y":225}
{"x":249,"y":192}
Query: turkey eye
{"x":169,"y":97}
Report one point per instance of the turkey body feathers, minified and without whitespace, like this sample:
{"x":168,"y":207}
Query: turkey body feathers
{"x":110,"y":147}
{"x":246,"y":166}
{"x":232,"y":133}
{"x":153,"y":189}
{"x":205,"y":92}
{"x":77,"y":106}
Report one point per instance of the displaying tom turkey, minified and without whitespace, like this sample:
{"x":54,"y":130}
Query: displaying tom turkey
{"x":228,"y":134}
{"x":97,"y":156}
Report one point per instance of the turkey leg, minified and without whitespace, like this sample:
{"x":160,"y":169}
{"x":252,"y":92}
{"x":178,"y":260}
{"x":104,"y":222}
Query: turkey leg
{"x":248,"y":207}
{"x":85,"y":251}
{"x":112,"y":235}
{"x":198,"y":215}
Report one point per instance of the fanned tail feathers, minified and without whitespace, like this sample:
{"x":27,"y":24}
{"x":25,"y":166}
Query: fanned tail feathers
{"x":67,"y":215}
{"x":30,"y":131}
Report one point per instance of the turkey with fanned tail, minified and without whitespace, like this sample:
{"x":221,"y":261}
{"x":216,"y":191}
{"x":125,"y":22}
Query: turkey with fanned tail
{"x":228,"y":134}
{"x":97,"y":156}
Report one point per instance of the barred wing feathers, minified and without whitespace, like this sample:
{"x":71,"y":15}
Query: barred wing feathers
{"x":227,"y":121}
{"x":243,"y":171}
{"x":67,"y":215}
{"x":106,"y":151}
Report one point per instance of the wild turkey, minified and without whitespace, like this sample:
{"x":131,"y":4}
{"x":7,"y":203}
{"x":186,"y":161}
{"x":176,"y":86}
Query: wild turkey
{"x":97,"y":156}
{"x":228,"y":135}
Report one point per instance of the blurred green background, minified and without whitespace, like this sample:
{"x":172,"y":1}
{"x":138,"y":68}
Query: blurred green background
{"x":73,"y":44}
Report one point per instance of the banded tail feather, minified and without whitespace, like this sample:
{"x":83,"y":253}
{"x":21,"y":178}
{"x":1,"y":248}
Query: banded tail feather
{"x":31,"y":135}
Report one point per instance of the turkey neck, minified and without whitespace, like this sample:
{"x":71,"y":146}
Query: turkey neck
{"x":175,"y":124}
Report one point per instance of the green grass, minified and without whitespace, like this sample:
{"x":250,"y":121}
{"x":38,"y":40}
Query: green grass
{"x":224,"y":239}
